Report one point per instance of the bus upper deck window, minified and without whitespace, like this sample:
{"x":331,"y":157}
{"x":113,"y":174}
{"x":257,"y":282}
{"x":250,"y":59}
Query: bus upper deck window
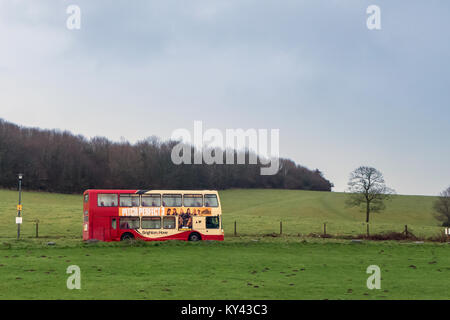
{"x":211,"y":200}
{"x":172,"y":200}
{"x":107,"y":200}
{"x":193,"y":200}
{"x":129,"y":200}
{"x":151,"y":200}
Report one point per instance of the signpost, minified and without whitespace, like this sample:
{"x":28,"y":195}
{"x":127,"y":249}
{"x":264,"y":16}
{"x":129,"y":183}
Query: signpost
{"x":19,"y":206}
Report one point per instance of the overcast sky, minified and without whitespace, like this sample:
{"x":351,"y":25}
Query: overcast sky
{"x":341,"y":95}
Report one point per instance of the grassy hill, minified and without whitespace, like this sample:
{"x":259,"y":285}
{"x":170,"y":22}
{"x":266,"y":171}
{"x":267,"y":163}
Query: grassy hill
{"x":248,"y":267}
{"x":304,"y":212}
{"x":257,"y":212}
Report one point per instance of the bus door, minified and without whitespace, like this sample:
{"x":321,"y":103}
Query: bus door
{"x":114,"y":227}
{"x":198,"y":223}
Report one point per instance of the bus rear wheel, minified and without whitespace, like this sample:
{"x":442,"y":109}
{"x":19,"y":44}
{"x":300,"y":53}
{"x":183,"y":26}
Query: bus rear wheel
{"x":194,"y":237}
{"x":127,"y":236}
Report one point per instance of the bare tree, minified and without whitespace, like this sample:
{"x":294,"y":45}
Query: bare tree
{"x":442,"y":207}
{"x":368,"y":190}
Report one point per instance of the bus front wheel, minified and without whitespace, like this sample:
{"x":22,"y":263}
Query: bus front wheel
{"x":194,"y":237}
{"x":127,"y":236}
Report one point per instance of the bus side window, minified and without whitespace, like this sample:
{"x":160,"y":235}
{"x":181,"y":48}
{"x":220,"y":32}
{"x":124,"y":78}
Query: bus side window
{"x":172,"y":200}
{"x":211,"y":200}
{"x":193,"y":200}
{"x":151,"y":222}
{"x":151,"y":200}
{"x":129,"y":200}
{"x":114,"y":223}
{"x":212,"y":222}
{"x":169,"y":222}
{"x":129,"y":223}
{"x":107,"y":200}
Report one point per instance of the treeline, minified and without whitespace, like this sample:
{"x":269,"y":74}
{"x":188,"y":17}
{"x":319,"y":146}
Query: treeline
{"x":62,"y":162}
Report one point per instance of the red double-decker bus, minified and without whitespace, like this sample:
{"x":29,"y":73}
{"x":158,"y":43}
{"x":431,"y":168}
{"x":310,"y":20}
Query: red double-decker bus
{"x":114,"y":215}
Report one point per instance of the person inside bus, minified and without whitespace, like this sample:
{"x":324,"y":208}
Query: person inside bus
{"x":124,"y":225}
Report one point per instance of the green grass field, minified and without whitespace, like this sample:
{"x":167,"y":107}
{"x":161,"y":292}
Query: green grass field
{"x":249,"y":266}
{"x":229,"y":270}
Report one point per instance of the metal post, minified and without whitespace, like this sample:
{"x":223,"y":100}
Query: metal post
{"x":20,"y":202}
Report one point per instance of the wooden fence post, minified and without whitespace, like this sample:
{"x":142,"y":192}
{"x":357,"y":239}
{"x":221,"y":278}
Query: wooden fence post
{"x":37,"y":227}
{"x":281,"y":227}
{"x":324,"y":229}
{"x":406,"y":230}
{"x":235,"y":228}
{"x":368,"y":234}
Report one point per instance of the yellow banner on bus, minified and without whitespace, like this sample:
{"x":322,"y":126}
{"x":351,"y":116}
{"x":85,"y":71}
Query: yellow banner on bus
{"x":141,"y":211}
{"x":162,"y":211}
